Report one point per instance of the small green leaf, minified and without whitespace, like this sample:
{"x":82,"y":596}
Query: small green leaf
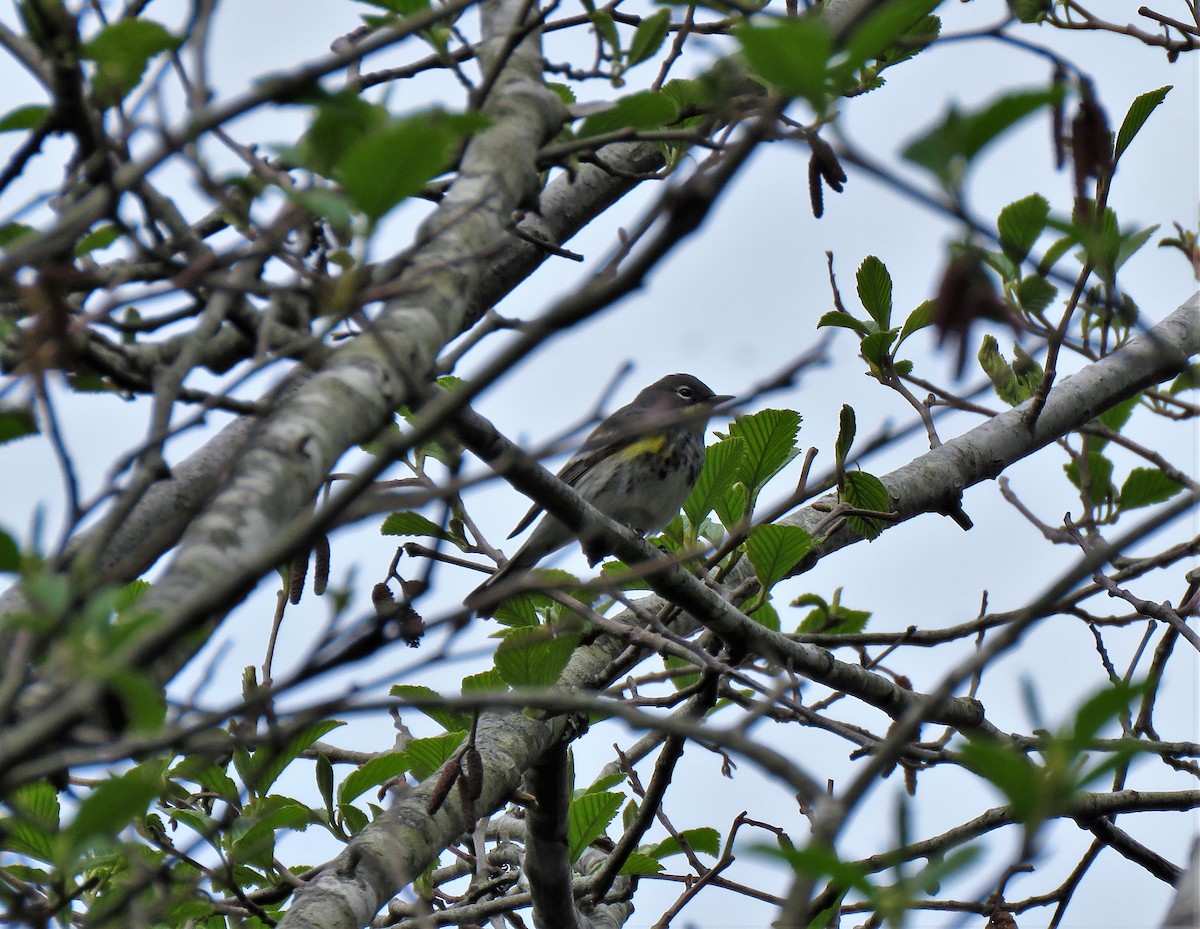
{"x":1189,"y":379}
{"x":790,"y":55}
{"x":260,"y":770}
{"x":483,"y":682}
{"x":866,"y":492}
{"x":775,"y":550}
{"x":427,"y":755}
{"x":640,"y":864}
{"x":16,"y":422}
{"x":530,"y":656}
{"x":407,"y":522}
{"x":396,"y":161}
{"x":1035,"y":293}
{"x":646,"y":109}
{"x":23,"y":117}
{"x":1145,"y":487}
{"x":1099,"y":469}
{"x":590,"y":815}
{"x":917,"y":320}
{"x":721,"y":464}
{"x":876,"y":348}
{"x":113,"y":805}
{"x":1139,"y":111}
{"x":846,"y":430}
{"x":1020,"y":224}
{"x":11,"y":233}
{"x":450,"y":720}
{"x":837,"y":318}
{"x":880,"y":30}
{"x":122,"y":50}
{"x":372,"y":774}
{"x":607,"y":30}
{"x":704,"y":839}
{"x":770,"y":437}
{"x":1115,"y":417}
{"x":98,"y":238}
{"x":10,"y":553}
{"x":875,"y":290}
{"x":947,"y":149}
{"x":649,"y":37}
{"x":33,"y":826}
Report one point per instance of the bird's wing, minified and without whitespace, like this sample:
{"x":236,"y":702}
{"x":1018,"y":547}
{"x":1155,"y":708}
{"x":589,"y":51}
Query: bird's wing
{"x":606,"y":439}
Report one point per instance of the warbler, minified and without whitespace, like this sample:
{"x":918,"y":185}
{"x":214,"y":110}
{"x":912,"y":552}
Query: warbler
{"x":637,"y":467}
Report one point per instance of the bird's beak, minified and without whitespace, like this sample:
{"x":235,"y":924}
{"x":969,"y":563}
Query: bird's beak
{"x":720,"y":400}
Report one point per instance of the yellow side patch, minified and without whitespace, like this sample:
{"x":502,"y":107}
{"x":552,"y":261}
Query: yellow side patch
{"x":647,"y":445}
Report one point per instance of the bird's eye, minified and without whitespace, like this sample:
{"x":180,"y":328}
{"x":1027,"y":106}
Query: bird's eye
{"x":685,"y":392}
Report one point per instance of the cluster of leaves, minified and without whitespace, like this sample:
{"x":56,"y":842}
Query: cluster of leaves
{"x":795,"y":55}
{"x":1034,"y":793}
{"x":377,"y":159}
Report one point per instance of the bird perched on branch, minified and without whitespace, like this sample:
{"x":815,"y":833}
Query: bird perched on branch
{"x":637,"y":467}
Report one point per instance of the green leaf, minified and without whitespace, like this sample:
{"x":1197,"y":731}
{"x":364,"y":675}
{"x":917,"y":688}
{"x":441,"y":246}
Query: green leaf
{"x":876,"y":347}
{"x":260,"y":769}
{"x":16,"y":422}
{"x":10,"y":553}
{"x":790,"y":55}
{"x":11,"y":233}
{"x":590,"y":815}
{"x":1035,"y":293}
{"x":875,"y":290}
{"x":648,"y":38}
{"x":606,"y":28}
{"x":450,"y":720}
{"x":113,"y":805}
{"x":883,"y":27}
{"x":1017,"y":777}
{"x":355,"y":820}
{"x":1139,"y":111}
{"x":1145,"y":487}
{"x":917,"y":320}
{"x":646,"y":109}
{"x":371,"y":774}
{"x":704,"y":839}
{"x":339,"y":120}
{"x":1116,"y":416}
{"x":98,"y":238}
{"x":325,"y":782}
{"x":1010,"y":387}
{"x":640,"y":864}
{"x":142,"y":700}
{"x":837,"y":318}
{"x":1020,"y":224}
{"x":846,"y":430}
{"x":866,"y":492}
{"x":396,"y":161}
{"x":721,"y":464}
{"x":483,"y":682}
{"x":407,"y":522}
{"x":1189,"y":379}
{"x":775,"y":550}
{"x":947,"y":149}
{"x":33,"y":826}
{"x":770,"y":437}
{"x":531,"y":656}
{"x":23,"y":117}
{"x":819,"y":861}
{"x":1100,"y":486}
{"x":1130,"y":243}
{"x":427,"y":755}
{"x":765,"y":614}
{"x":122,"y":50}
